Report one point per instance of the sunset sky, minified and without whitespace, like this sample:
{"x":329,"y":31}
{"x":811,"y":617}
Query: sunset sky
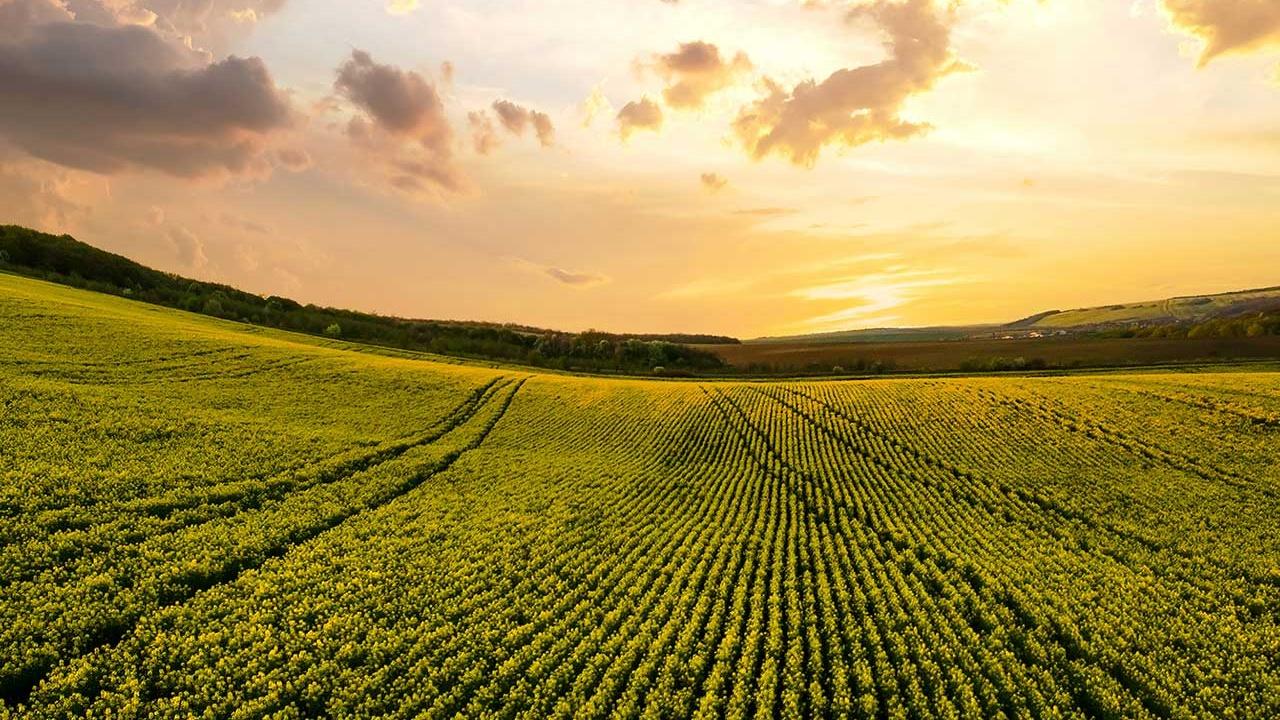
{"x":746,"y":167}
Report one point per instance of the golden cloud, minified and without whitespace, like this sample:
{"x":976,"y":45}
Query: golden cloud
{"x":1227,"y":26}
{"x":696,"y":71}
{"x":642,"y":114}
{"x":855,"y":106}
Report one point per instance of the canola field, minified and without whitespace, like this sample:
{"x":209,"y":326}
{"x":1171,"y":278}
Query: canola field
{"x":203,"y":519}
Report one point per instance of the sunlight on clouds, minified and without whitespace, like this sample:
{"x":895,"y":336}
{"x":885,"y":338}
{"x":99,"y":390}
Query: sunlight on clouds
{"x":401,"y":7}
{"x":1226,"y":26}
{"x":876,"y":294}
{"x":692,"y":223}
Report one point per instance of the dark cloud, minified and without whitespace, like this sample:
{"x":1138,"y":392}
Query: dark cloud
{"x":642,"y":114}
{"x":516,"y":119}
{"x":855,"y":106}
{"x":696,"y":71}
{"x":399,"y":102}
{"x":293,"y":159}
{"x":402,"y":122}
{"x":116,"y":98}
{"x":18,"y":16}
{"x":1227,"y":26}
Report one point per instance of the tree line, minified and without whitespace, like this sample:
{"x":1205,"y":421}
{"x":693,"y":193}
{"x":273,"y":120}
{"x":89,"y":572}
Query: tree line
{"x":65,"y":260}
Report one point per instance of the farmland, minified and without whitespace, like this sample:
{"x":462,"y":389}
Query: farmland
{"x":805,"y":356}
{"x":202,"y":518}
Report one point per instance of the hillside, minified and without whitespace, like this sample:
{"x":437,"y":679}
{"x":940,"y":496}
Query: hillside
{"x":205,"y":518}
{"x":65,"y":260}
{"x":1177,"y":312}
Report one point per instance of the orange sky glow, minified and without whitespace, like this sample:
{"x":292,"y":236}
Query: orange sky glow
{"x":746,"y":167}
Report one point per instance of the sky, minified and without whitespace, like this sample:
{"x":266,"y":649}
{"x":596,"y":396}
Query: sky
{"x":742,"y":167}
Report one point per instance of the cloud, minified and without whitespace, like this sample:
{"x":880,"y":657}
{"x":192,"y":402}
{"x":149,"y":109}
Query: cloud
{"x":188,"y":248}
{"x":855,"y":106}
{"x":484,"y":136}
{"x":1226,"y":26}
{"x":713,"y":182}
{"x":567,"y":277}
{"x":117,"y":98}
{"x":595,"y":104}
{"x":201,"y":23}
{"x":870,"y":299}
{"x":237,"y":222}
{"x":293,"y":159}
{"x":401,"y":103}
{"x":766,"y":211}
{"x":35,"y":193}
{"x":401,"y":7}
{"x":642,"y":114}
{"x":517,"y":119}
{"x":17,"y":16}
{"x":402,"y":122}
{"x":576,"y":279}
{"x":696,"y":71}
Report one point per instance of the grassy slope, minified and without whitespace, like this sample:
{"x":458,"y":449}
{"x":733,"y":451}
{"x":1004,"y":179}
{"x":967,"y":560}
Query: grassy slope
{"x":1182,"y":309}
{"x":195,"y":517}
{"x":1192,"y":308}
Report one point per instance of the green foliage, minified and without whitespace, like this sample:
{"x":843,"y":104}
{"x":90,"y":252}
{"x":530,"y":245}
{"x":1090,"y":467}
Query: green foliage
{"x":333,"y":330}
{"x":201,"y":519}
{"x":1002,"y":364}
{"x":64,"y":260}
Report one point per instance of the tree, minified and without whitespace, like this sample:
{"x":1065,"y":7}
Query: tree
{"x":333,"y":330}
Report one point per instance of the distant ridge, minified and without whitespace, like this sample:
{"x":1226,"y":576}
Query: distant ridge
{"x":1180,"y":310}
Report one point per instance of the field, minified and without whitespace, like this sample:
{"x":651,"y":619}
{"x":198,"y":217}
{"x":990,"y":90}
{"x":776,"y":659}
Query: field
{"x":953,"y":355}
{"x":203,"y":519}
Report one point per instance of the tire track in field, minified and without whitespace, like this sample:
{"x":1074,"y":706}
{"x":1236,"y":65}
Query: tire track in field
{"x":1022,"y":497}
{"x":17,"y":691}
{"x":1049,"y":409}
{"x":819,"y":505}
{"x":879,"y":542}
{"x":231,"y":499}
{"x":887,"y":547}
{"x":896,"y":546}
{"x":174,"y":361}
{"x":1270,"y":422}
{"x":766,"y":566}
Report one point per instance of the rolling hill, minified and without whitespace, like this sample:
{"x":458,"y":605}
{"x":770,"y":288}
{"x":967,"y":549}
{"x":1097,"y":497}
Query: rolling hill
{"x":63,"y":259}
{"x":1177,"y":311}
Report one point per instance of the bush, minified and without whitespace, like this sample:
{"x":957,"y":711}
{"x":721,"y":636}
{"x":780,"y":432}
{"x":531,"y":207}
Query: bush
{"x":333,"y":330}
